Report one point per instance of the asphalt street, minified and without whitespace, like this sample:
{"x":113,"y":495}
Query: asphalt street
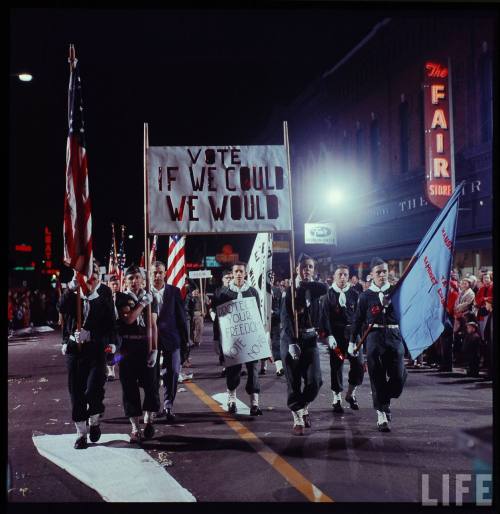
{"x":224,"y":458}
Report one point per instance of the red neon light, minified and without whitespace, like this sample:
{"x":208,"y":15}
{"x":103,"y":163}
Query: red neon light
{"x":434,"y":69}
{"x":23,"y":248}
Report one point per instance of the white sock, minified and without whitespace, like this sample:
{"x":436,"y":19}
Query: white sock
{"x":337,"y":397}
{"x":351,"y":391}
{"x":94,"y":420}
{"x":231,"y":396}
{"x":279,"y":365}
{"x":306,"y":409}
{"x":297,"y":417}
{"x":148,"y":416}
{"x":254,"y":399}
{"x":111,"y":371}
{"x":382,"y":418}
{"x":134,"y":420}
{"x":81,"y":428}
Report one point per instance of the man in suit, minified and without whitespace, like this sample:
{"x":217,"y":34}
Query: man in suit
{"x":173,"y":342}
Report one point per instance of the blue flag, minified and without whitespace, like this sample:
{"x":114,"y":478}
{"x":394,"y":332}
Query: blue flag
{"x":420,"y":298}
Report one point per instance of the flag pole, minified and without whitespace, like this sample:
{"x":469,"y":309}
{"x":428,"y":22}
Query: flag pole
{"x":72,"y":60}
{"x":292,"y":241}
{"x":146,"y":234}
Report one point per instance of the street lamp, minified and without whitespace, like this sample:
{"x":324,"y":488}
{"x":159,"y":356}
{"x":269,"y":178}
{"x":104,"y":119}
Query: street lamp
{"x":25,"y":77}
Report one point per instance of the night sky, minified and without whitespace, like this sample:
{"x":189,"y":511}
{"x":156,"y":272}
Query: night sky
{"x":198,"y":77}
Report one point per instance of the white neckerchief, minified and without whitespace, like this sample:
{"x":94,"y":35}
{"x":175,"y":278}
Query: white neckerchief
{"x":140,"y":318}
{"x":86,"y":303}
{"x":342,"y":292}
{"x":233,"y":287}
{"x":380,"y":290}
{"x":159,"y":294}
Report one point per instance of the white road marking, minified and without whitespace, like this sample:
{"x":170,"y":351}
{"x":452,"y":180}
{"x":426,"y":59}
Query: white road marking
{"x":101,"y":467}
{"x":221,"y":398}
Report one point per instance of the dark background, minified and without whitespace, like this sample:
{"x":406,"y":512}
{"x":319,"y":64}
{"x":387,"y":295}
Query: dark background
{"x":197,"y":76}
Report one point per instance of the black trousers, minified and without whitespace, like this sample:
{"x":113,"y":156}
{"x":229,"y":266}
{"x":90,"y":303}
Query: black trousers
{"x":86,"y":379}
{"x":303,"y":376}
{"x":134,"y":373}
{"x":356,"y":369}
{"x":233,"y":374}
{"x":275,"y":341}
{"x":385,"y":358}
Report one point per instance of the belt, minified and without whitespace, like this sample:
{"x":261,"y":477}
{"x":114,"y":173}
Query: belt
{"x":308,"y":332}
{"x":376,"y":325}
{"x":135,"y":337}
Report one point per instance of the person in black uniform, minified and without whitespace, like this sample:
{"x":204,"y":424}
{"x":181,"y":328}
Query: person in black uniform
{"x":338,"y":307}
{"x":85,"y":354}
{"x":137,"y":365}
{"x":239,"y":288}
{"x":384,"y":345}
{"x":299,"y":352}
{"x":275,"y":326}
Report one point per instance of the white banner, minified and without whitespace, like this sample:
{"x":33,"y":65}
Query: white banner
{"x":200,"y":190}
{"x":259,"y":269}
{"x":242,"y":333}
{"x":202,"y":273}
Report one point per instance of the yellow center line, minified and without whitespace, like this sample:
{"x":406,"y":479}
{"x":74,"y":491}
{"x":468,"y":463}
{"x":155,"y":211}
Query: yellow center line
{"x":291,"y":475}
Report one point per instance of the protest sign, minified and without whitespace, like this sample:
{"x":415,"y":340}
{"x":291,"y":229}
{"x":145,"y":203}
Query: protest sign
{"x":242,"y":333}
{"x":230,"y":189}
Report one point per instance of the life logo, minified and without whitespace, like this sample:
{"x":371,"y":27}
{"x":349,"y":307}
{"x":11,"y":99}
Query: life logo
{"x":320,"y":232}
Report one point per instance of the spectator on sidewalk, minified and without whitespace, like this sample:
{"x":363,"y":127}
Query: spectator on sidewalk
{"x":462,"y":307}
{"x":488,"y":339}
{"x":485,"y":292}
{"x":472,"y":342}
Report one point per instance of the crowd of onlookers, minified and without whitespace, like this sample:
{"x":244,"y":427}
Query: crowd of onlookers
{"x":32,"y":308}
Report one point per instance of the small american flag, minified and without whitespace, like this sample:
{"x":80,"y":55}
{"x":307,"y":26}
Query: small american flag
{"x":121,"y":257}
{"x":77,"y":212}
{"x":112,"y":265}
{"x":176,"y":265}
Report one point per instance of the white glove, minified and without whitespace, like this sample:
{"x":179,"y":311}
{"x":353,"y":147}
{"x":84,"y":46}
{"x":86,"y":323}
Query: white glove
{"x":146,"y":299}
{"x":212,"y":315}
{"x":64,"y":348}
{"x":73,"y":283}
{"x":351,"y":349}
{"x":294,"y":351}
{"x":331,"y":342}
{"x":82,"y":335}
{"x":152,"y":358}
{"x":113,"y":348}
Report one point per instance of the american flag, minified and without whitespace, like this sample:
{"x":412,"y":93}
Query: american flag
{"x":113,"y":264}
{"x":121,"y":257}
{"x":77,"y":215}
{"x":176,"y":265}
{"x":152,"y":253}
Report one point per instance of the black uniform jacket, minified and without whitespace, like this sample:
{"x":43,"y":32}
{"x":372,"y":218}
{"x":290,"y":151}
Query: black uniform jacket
{"x":333,"y":315}
{"x":370,"y":310}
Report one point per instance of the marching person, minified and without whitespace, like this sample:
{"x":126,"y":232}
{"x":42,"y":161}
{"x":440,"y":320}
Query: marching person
{"x":114,"y":285}
{"x":138,"y":362}
{"x":239,"y":288}
{"x":196,"y":314}
{"x":85,"y":355}
{"x":338,"y":307}
{"x":299,"y":352}
{"x":275,"y":326}
{"x":173,"y":341}
{"x":384,"y":345}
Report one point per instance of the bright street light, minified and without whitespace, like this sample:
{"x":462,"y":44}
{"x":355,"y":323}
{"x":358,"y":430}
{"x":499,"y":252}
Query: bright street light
{"x":334,"y":196}
{"x":131,"y":236}
{"x":25,"y":77}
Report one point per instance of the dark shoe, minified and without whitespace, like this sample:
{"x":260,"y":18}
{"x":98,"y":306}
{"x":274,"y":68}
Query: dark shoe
{"x":223,"y":372}
{"x":81,"y":443}
{"x":353,"y":403}
{"x":169,"y":416}
{"x":262,"y":371}
{"x":243,"y":373}
{"x":307,"y":420}
{"x":383,"y":427}
{"x":136,"y":437}
{"x":110,"y":378}
{"x":337,"y":407}
{"x":94,"y":433}
{"x":231,"y":408}
{"x":149,"y":431}
{"x":298,"y":430}
{"x":255,"y":411}
{"x":388,"y":413}
{"x":160,"y":414}
{"x":280,"y":373}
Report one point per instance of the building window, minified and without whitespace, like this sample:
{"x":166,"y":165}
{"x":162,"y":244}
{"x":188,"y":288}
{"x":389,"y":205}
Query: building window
{"x":374,"y":146}
{"x":359,"y":144}
{"x":485,"y":94}
{"x":404,"y":136}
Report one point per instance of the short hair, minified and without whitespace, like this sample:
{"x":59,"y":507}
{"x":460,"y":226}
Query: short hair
{"x":303,"y":257}
{"x":113,"y":278}
{"x":341,"y":266}
{"x":376,"y":261}
{"x":158,"y":263}
{"x":133,"y":269}
{"x":468,"y":279}
{"x":239,"y":263}
{"x":227,"y":272}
